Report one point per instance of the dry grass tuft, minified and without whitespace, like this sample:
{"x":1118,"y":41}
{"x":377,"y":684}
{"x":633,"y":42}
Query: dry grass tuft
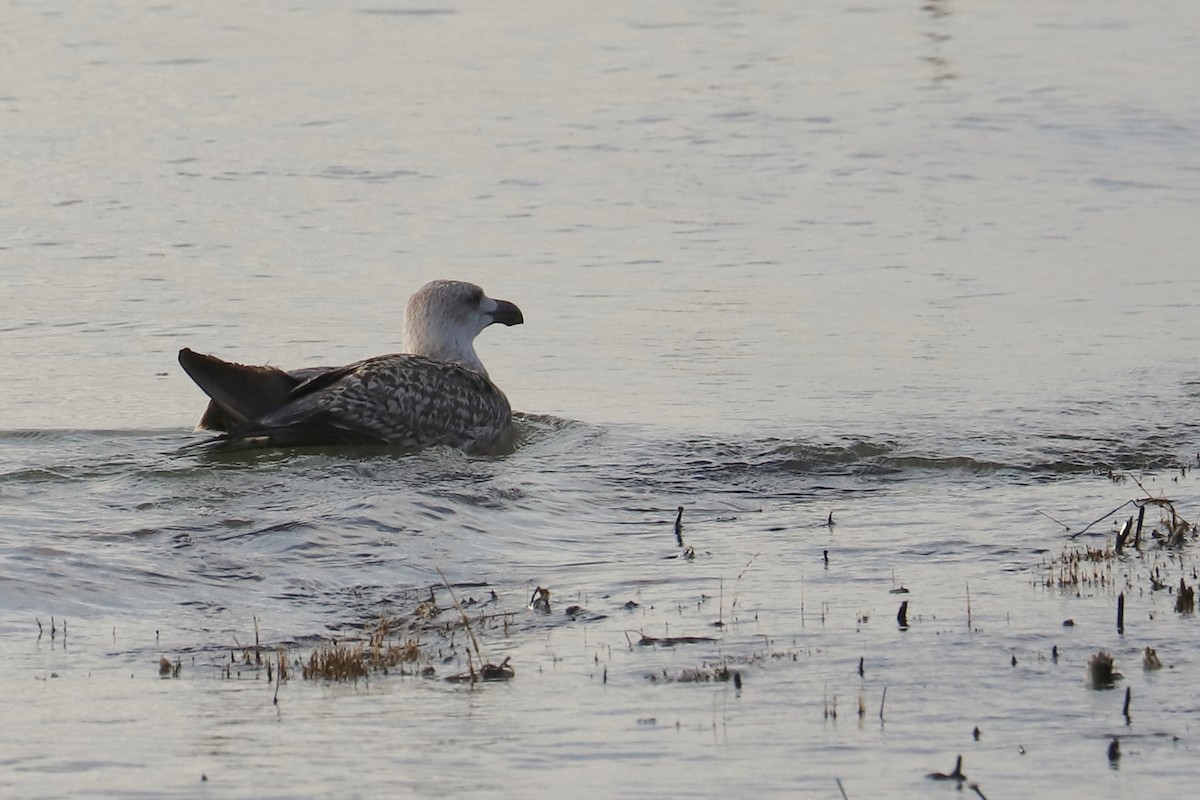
{"x":349,"y":662}
{"x":334,"y":662}
{"x":1101,"y":671}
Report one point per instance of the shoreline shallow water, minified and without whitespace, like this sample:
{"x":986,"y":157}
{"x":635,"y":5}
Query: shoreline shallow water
{"x":304,"y":550}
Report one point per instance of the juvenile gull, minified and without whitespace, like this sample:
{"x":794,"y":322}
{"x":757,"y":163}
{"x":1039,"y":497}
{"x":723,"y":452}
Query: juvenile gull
{"x":437,"y":392}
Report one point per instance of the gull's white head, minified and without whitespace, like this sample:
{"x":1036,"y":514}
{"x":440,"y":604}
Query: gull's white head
{"x":444,"y":317}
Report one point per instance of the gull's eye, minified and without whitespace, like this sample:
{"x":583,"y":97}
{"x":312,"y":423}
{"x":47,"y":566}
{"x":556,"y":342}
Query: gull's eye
{"x":475,"y":298}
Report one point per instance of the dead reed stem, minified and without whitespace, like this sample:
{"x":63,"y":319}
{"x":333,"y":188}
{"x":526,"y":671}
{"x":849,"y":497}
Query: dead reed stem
{"x":463,"y":616}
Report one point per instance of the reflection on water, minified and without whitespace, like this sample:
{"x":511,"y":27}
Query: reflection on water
{"x":936,"y":37}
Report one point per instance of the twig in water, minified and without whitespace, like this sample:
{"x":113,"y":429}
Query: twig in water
{"x":840,"y":789}
{"x":1066,"y":527}
{"x":1128,"y":698}
{"x":720,"y":623}
{"x":956,"y":775}
{"x":688,"y":552}
{"x":881,"y":702}
{"x":1143,"y":488}
{"x":1150,"y":659}
{"x":1121,"y":613}
{"x":1101,"y":671}
{"x":1122,"y":535}
{"x":1185,"y":601}
{"x":1106,"y":516}
{"x":801,"y":601}
{"x":539,"y":601}
{"x":281,"y":672}
{"x":737,"y":582}
{"x":462,"y":615}
{"x":968,"y":606}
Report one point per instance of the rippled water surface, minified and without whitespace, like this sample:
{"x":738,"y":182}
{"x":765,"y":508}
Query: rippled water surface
{"x":891,"y":300}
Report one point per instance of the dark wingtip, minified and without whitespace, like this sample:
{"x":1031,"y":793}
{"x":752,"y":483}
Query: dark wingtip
{"x":240,"y":393}
{"x":189,"y":358}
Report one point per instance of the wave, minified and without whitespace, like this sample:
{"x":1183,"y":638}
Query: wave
{"x":773,"y":459}
{"x":625,"y":451}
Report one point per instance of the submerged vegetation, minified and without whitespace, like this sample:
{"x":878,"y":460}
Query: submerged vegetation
{"x":333,"y":661}
{"x":350,"y":660}
{"x":1086,"y":567}
{"x":433,"y":633}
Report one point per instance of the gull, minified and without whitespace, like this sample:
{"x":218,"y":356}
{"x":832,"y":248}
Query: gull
{"x":437,"y":392}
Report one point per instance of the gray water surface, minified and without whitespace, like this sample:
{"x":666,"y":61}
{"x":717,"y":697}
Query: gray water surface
{"x":928,"y":268}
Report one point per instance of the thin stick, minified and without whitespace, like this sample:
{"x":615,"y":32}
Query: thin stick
{"x":462,"y":615}
{"x":1106,"y":516}
{"x":721,"y":604}
{"x":801,"y":607}
{"x":968,"y":606}
{"x":1143,"y":488}
{"x":881,"y":702}
{"x":1122,"y":535}
{"x":841,"y":789}
{"x":737,"y":582}
{"x":1052,"y":519}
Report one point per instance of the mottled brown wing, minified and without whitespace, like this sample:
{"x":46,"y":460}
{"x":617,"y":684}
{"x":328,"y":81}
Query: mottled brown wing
{"x":402,"y":399}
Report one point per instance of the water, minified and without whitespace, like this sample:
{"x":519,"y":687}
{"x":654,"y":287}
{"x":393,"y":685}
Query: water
{"x":926,"y":268}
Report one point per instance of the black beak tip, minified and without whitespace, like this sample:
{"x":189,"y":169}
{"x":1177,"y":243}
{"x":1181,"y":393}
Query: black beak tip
{"x":507,"y":313}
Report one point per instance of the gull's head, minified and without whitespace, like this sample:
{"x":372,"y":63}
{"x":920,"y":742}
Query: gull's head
{"x":444,"y":317}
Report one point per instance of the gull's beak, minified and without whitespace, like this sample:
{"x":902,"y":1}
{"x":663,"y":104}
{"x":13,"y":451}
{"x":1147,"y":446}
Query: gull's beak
{"x":507,"y":313}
